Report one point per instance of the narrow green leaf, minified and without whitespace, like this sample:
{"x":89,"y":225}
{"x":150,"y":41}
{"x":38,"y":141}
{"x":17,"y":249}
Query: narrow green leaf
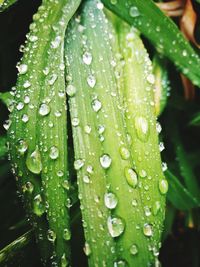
{"x":169,"y":220}
{"x":4,"y":4}
{"x":138,"y":95}
{"x":161,"y":31}
{"x":178,"y":195}
{"x":195,"y":121}
{"x":162,"y":85}
{"x":6,"y":98}
{"x":38,"y":132}
{"x":3,"y":147}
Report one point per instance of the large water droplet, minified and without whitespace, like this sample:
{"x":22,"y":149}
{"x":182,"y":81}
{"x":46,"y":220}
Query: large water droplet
{"x":44,"y":109}
{"x":142,"y":128}
{"x":91,"y":80}
{"x":22,"y":146}
{"x":105,"y":161}
{"x":115,"y":226}
{"x":33,"y":161}
{"x":22,"y":68}
{"x":163,"y":186}
{"x":54,"y":152}
{"x":71,"y":90}
{"x":87,"y":249}
{"x":120,"y":263}
{"x":66,"y":234}
{"x":38,"y":206}
{"x":78,"y":164}
{"x":87,"y":58}
{"x":134,"y":12}
{"x":51,"y":235}
{"x":134,"y":249}
{"x":131,"y":177}
{"x":96,"y":105}
{"x":124,"y":152}
{"x":110,"y":200}
{"x":148,"y":230}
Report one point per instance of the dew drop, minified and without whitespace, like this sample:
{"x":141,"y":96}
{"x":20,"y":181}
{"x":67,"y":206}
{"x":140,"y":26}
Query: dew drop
{"x":134,"y":250}
{"x":148,"y":230}
{"x":87,"y":129}
{"x":54,"y":152}
{"x":96,"y":105}
{"x":71,"y":90}
{"x":120,"y":263}
{"x":33,"y":161}
{"x":52,"y":79}
{"x":142,"y":173}
{"x":91,"y":80}
{"x":105,"y":161}
{"x":87,"y":58}
{"x":44,"y":109}
{"x":51,"y":235}
{"x":115,"y":226}
{"x":66,"y":234}
{"x":86,"y":179}
{"x":147,"y":211}
{"x":134,"y":12}
{"x":65,"y":184}
{"x":110,"y":200}
{"x":156,"y":207}
{"x":26,"y":84}
{"x":131,"y":177}
{"x":78,"y":164}
{"x":142,"y":128}
{"x":75,"y":122}
{"x":22,"y":146}
{"x":55,"y":43}
{"x":87,"y":249}
{"x":163,"y":186}
{"x":25,"y":118}
{"x":28,"y":187}
{"x":151,"y":78}
{"x":23,"y":68}
{"x":38,"y":207}
{"x":124,"y":152}
{"x":20,"y":106}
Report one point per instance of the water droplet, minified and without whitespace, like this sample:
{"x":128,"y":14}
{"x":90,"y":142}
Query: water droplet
{"x":96,"y":105}
{"x":87,"y":249}
{"x":46,"y":71}
{"x":28,"y":187}
{"x":64,"y":261}
{"x":65,"y":184}
{"x":38,"y":207}
{"x":101,"y":129}
{"x":54,"y":152}
{"x":78,"y":164}
{"x":44,"y":109}
{"x":120,"y":263}
{"x":113,"y":2}
{"x":66,"y":234}
{"x":134,"y":203}
{"x":55,"y":43}
{"x":20,"y":106}
{"x":156,"y":208}
{"x":124,"y":152}
{"x":22,"y":146}
{"x":134,"y":12}
{"x":115,"y":226}
{"x":142,"y":173}
{"x":184,"y":53}
{"x":33,"y":161}
{"x":134,"y":249}
{"x":51,"y":235}
{"x":110,"y":200}
{"x":131,"y":177}
{"x":23,"y":68}
{"x":158,"y":127}
{"x":75,"y":122}
{"x":105,"y":161}
{"x":163,"y":186}
{"x":86,"y":179}
{"x":71,"y":90}
{"x":147,"y":211}
{"x":87,"y":58}
{"x":26,"y":84}
{"x":161,"y":146}
{"x":52,"y":79}
{"x":142,"y":128}
{"x":148,"y":230}
{"x":164,"y":166}
{"x":25,"y":118}
{"x":151,"y":78}
{"x":87,"y":129}
{"x":91,"y":80}
{"x":26,"y":99}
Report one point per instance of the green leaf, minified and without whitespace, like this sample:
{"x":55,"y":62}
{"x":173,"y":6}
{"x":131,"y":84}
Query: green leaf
{"x":3,"y":147}
{"x":161,"y":31}
{"x":195,"y":121}
{"x":4,"y":4}
{"x":6,"y":98}
{"x":178,"y":195}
